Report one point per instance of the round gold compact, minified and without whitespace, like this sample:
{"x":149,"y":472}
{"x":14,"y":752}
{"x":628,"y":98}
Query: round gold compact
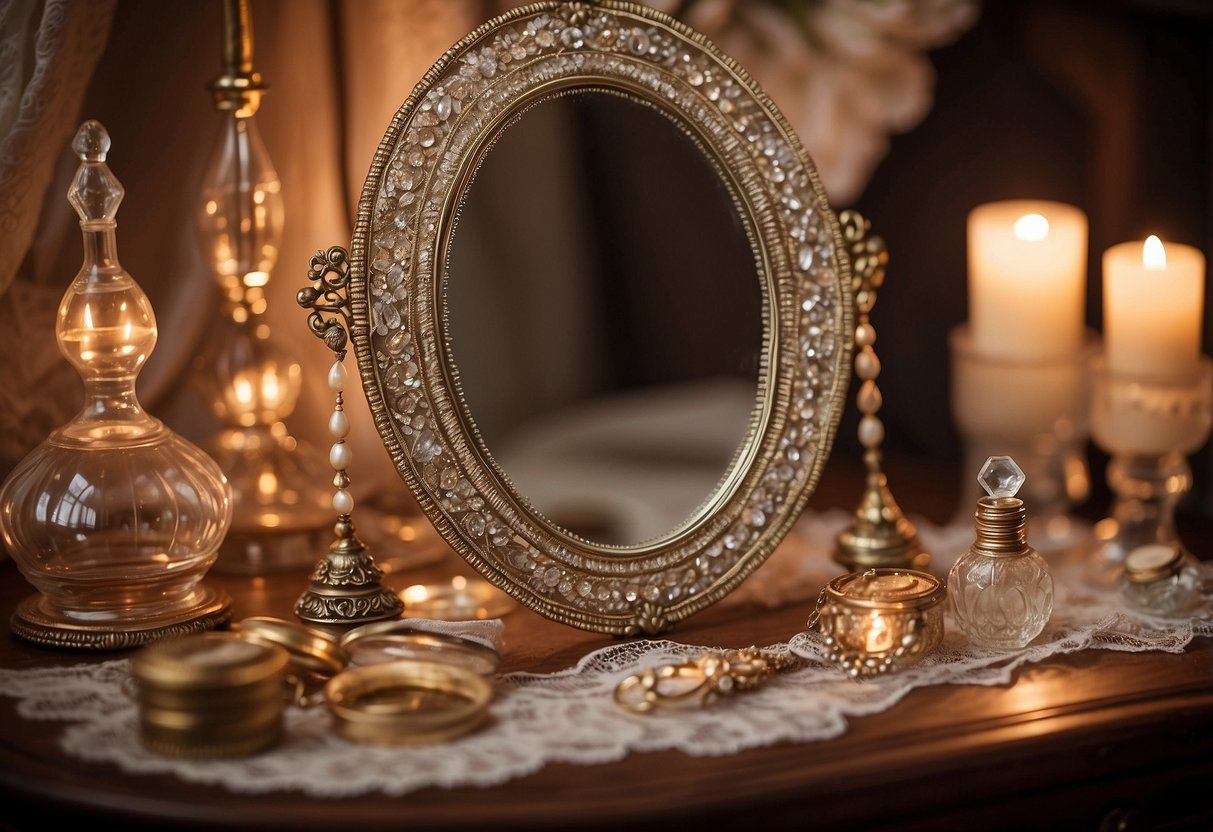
{"x":407,"y":702}
{"x":209,"y":695}
{"x":880,"y":620}
{"x":309,"y":652}
{"x":462,"y":599}
{"x":386,"y":641}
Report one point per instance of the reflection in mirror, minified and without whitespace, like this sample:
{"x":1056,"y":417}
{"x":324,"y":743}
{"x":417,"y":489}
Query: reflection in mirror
{"x":605,"y":313}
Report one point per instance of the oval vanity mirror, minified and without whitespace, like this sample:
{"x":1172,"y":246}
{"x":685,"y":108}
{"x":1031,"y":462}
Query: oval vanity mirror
{"x":602,"y":312}
{"x":634,"y":322}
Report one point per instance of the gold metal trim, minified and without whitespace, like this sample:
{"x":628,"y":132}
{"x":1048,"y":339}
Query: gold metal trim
{"x":36,"y":621}
{"x":806,"y":355}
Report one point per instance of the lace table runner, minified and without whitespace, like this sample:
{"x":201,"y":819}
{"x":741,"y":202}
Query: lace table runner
{"x":570,"y":716}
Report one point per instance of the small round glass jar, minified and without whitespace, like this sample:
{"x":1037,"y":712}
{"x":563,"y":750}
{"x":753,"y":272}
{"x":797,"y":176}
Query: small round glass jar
{"x":881,"y":619}
{"x":1159,"y":579}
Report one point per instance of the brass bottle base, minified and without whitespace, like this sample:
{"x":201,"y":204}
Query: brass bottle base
{"x":35,"y":620}
{"x":880,"y":536}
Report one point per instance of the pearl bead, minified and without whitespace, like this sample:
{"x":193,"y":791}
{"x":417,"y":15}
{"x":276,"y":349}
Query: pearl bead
{"x":339,"y":424}
{"x":340,"y":456}
{"x":337,"y":377}
{"x":869,"y":398}
{"x":871,"y":431}
{"x":865,"y":335}
{"x":343,"y":502}
{"x":867,"y":365}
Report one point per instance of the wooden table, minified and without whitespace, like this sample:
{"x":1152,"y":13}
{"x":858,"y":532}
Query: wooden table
{"x":1095,"y":740}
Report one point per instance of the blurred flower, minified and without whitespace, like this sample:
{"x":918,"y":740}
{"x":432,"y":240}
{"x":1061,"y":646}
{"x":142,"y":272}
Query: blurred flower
{"x":845,"y":73}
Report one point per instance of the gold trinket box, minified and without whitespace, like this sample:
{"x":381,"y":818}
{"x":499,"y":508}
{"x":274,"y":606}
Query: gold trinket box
{"x":881,"y":619}
{"x":209,"y":695}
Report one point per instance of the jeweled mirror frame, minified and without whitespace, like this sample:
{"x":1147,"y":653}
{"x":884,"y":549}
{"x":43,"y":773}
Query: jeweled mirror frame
{"x":396,"y":275}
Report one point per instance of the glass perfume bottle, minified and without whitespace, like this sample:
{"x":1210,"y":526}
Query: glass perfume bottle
{"x":1001,"y":590}
{"x":114,"y":518}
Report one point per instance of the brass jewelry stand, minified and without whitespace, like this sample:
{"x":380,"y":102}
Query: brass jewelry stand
{"x":347,"y":587}
{"x":880,"y":535}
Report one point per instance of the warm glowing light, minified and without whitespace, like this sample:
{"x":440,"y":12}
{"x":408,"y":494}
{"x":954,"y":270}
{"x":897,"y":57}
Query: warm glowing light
{"x":244,"y":391}
{"x":256,"y":278}
{"x":267,"y":483}
{"x":459,"y":583}
{"x":1032,"y":227}
{"x":269,"y":385}
{"x":878,"y":639}
{"x":212,"y":207}
{"x":415,"y":593}
{"x":1154,"y":254}
{"x":270,"y":520}
{"x":406,"y":533}
{"x":88,"y":317}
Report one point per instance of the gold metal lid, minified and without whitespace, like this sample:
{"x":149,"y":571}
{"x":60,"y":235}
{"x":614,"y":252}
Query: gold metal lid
{"x":392,"y":640}
{"x":1152,"y":562}
{"x":887,"y":588}
{"x":407,"y":702}
{"x":308,"y":651}
{"x":207,"y":660}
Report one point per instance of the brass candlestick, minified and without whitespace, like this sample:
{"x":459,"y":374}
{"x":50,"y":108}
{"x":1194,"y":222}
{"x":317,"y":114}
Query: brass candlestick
{"x":347,"y":587}
{"x":879,"y":535}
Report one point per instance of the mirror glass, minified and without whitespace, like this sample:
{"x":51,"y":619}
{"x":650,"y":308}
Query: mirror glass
{"x":604,"y":313}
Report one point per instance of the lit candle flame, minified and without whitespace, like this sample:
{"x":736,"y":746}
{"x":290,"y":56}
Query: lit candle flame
{"x":1154,"y":254}
{"x":878,"y":637}
{"x":1032,"y":228}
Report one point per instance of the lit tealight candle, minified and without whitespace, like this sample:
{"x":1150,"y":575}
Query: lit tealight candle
{"x":1153,"y":305}
{"x":1027,"y":279}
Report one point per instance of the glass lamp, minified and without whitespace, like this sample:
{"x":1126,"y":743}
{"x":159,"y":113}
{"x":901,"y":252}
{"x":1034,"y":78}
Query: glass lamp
{"x":114,"y":518}
{"x":252,"y":381}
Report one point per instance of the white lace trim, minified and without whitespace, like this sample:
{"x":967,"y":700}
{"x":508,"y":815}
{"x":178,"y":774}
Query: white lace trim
{"x":570,"y":717}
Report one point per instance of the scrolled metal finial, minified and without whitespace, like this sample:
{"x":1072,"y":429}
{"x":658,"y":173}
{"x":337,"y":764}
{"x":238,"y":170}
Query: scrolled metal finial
{"x":869,"y":258}
{"x":328,"y":295}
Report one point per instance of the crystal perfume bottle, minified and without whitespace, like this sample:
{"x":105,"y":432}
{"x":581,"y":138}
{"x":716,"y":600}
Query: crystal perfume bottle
{"x":1001,"y":590}
{"x":114,"y":518}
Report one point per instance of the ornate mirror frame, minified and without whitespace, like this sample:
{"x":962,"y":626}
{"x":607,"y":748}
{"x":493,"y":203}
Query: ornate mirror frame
{"x":395,"y":278}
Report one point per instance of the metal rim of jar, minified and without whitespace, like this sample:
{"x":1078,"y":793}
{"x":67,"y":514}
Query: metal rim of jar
{"x":408,"y":634}
{"x":1171,"y":567}
{"x":160,"y":665}
{"x":925,"y":599}
{"x":309,"y":651}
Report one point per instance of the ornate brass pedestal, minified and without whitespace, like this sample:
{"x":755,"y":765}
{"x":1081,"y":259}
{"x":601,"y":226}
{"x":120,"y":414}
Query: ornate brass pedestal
{"x":879,"y":534}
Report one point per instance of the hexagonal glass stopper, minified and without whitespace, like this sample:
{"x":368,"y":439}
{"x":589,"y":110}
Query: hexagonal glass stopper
{"x":1001,"y":477}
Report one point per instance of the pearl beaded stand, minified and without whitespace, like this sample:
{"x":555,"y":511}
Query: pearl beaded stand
{"x":347,"y":587}
{"x":879,"y":534}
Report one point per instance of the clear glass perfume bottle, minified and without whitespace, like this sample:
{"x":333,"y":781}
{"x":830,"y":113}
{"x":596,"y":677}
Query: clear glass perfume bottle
{"x":114,"y":518}
{"x":1000,"y":590}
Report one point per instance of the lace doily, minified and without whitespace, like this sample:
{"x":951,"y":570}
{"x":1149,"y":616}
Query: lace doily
{"x":570,"y":716}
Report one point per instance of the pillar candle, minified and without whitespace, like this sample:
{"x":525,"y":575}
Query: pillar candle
{"x":1027,"y":279}
{"x":1153,"y":306}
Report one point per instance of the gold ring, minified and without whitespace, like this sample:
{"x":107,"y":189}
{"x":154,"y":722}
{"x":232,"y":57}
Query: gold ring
{"x":392,"y":640}
{"x":407,"y":702}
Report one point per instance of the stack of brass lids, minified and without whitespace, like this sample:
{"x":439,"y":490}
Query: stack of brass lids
{"x":310,"y":653}
{"x":209,"y":695}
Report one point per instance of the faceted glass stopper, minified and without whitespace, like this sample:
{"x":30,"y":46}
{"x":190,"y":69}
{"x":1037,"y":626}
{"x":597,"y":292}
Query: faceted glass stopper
{"x":95,"y":192}
{"x":1001,"y":477}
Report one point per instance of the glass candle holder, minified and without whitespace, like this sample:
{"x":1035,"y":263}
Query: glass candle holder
{"x":880,"y":620}
{"x":1149,"y":425}
{"x":1035,"y":411}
